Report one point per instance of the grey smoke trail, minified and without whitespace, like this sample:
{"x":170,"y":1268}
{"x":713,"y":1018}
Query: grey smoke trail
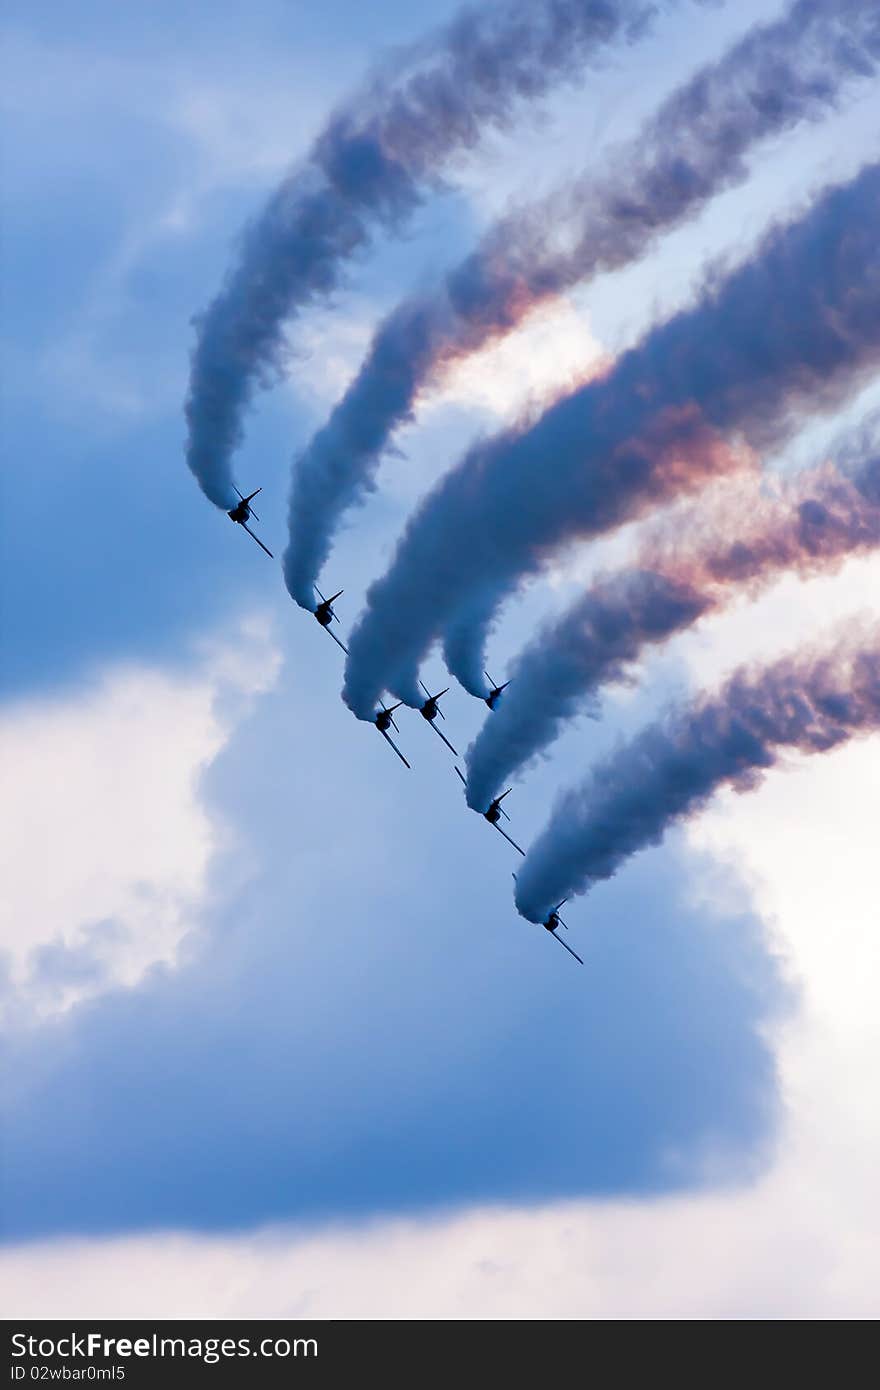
{"x":793,"y":330}
{"x":809,"y":704}
{"x":367,"y":170}
{"x":778,"y":75}
{"x":821,"y":518}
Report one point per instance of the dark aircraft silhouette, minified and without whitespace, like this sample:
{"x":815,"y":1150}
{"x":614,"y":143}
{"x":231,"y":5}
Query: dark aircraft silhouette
{"x":242,"y":513}
{"x":430,"y":709}
{"x":492,"y":698}
{"x":552,"y":925}
{"x":494,"y":812}
{"x":325,"y":615}
{"x":384,"y":720}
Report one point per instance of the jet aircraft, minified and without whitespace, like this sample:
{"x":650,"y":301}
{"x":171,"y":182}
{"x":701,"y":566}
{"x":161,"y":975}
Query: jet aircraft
{"x":495,"y":693}
{"x":242,"y":513}
{"x":325,"y":615}
{"x":430,"y":709}
{"x":384,"y":721}
{"x":494,"y":811}
{"x":552,"y":924}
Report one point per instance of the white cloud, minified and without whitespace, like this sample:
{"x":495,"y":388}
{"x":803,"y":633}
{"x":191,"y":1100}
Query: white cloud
{"x":244,"y":126}
{"x":791,"y":1249}
{"x":109,"y":777}
{"x":808,"y":840}
{"x":329,"y":350}
{"x":801,"y":1243}
{"x":232,"y":133}
{"x":790,"y":614}
{"x":553,"y":350}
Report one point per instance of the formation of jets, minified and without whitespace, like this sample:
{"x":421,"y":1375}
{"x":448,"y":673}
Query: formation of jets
{"x":383,"y":719}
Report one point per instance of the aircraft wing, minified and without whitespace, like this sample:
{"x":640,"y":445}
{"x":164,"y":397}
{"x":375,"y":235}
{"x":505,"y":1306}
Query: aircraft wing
{"x":461,"y":775}
{"x":257,"y":539}
{"x":567,"y":947}
{"x":336,"y":640}
{"x":509,"y":841}
{"x":444,"y":738}
{"x":390,"y":740}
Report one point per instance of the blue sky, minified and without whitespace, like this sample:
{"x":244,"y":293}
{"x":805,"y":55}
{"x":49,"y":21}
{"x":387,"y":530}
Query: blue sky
{"x":342,"y":1017}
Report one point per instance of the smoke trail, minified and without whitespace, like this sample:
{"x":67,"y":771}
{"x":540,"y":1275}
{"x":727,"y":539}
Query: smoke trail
{"x":794,"y":329}
{"x":810,"y":704}
{"x":807,"y":524}
{"x":814,"y":523}
{"x":778,"y":75}
{"x":365,"y":170}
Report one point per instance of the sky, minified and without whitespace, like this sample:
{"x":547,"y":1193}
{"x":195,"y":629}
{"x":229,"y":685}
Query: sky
{"x":277,"y":1042}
